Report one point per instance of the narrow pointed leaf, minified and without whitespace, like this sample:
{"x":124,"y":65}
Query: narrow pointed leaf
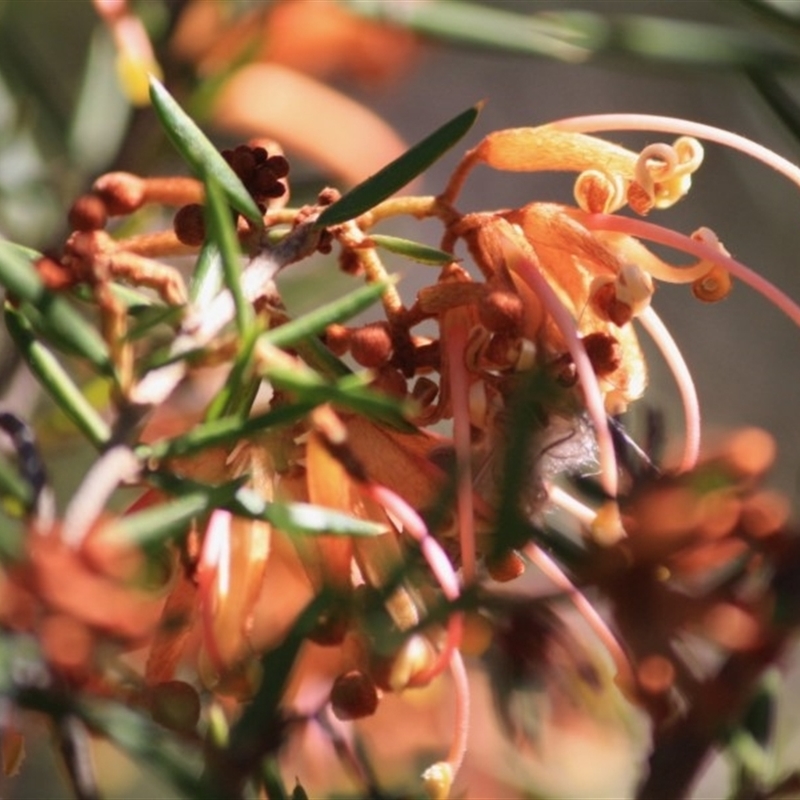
{"x":55,"y":379}
{"x":395,"y":175}
{"x":222,"y":431}
{"x":61,"y":321}
{"x":199,"y":153}
{"x":222,"y":230}
{"x":413,"y":250}
{"x":337,"y":311}
{"x":163,"y":521}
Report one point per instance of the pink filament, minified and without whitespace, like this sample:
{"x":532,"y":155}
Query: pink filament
{"x":655,"y":233}
{"x":691,"y":407}
{"x":440,"y":566}
{"x":459,"y":400}
{"x":557,"y":576}
{"x":449,"y":655}
{"x":591,"y":389}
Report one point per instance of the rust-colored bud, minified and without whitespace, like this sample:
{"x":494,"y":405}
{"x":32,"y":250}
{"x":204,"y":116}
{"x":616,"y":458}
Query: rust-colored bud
{"x":354,"y":696}
{"x":655,"y":674}
{"x":121,"y":192}
{"x":55,"y":276}
{"x":331,"y":627}
{"x":175,"y":705}
{"x":501,"y":312}
{"x":604,"y":352}
{"x":337,"y":338}
{"x":88,"y":213}
{"x":391,"y":381}
{"x":371,"y":346}
{"x":505,"y":567}
{"x":189,"y":225}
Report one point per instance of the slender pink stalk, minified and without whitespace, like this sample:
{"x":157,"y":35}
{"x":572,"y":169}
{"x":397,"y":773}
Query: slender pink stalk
{"x":457,"y":335}
{"x":597,"y":123}
{"x":445,"y":574}
{"x":557,"y":576}
{"x":458,"y":747}
{"x":440,"y":566}
{"x":655,"y":233}
{"x":591,"y":389}
{"x":691,"y":407}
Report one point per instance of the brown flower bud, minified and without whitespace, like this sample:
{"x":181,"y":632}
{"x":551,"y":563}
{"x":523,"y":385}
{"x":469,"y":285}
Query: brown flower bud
{"x":501,"y":312}
{"x":88,"y":213}
{"x":371,"y":346}
{"x":604,"y":352}
{"x":505,"y":567}
{"x":337,"y":338}
{"x":55,"y":276}
{"x":121,"y":192}
{"x":189,"y":225}
{"x":354,"y":696}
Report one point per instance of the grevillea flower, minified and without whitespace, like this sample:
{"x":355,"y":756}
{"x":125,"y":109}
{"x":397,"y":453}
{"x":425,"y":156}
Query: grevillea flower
{"x":457,"y":494}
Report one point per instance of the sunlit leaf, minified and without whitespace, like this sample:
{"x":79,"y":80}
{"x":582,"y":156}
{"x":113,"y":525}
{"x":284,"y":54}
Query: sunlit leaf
{"x":55,"y":379}
{"x":199,"y":153}
{"x":401,"y":171}
{"x":316,"y":321}
{"x":221,"y":228}
{"x":413,"y":250}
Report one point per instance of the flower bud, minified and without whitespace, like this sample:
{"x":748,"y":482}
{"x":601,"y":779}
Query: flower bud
{"x":121,"y":192}
{"x":501,"y":312}
{"x":371,"y":346}
{"x":88,"y":213}
{"x":189,"y":225}
{"x":353,"y":696}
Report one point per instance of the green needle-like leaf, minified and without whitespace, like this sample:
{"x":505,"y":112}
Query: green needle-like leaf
{"x":54,"y":378}
{"x":60,"y":320}
{"x":161,"y":522}
{"x":398,"y":173}
{"x":223,"y":232}
{"x":413,"y":250}
{"x":222,"y":432}
{"x":337,"y":311}
{"x":348,"y":392}
{"x":199,"y":153}
{"x":207,"y":277}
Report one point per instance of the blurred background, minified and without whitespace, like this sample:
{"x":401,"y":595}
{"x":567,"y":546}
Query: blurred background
{"x":410,"y":65}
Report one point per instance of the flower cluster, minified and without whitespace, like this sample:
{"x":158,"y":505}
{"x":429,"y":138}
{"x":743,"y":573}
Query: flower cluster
{"x":363,"y":487}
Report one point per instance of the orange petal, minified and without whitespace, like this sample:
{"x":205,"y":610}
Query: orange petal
{"x":330,"y":486}
{"x":541,"y":149}
{"x":303,"y":115}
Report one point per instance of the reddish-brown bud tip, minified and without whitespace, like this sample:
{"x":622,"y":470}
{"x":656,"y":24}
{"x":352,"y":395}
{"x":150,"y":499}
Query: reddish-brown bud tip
{"x":121,"y":192}
{"x":354,"y":696}
{"x":604,"y":352}
{"x":501,"y":312}
{"x":88,"y":213}
{"x":371,"y":346}
{"x":189,"y":225}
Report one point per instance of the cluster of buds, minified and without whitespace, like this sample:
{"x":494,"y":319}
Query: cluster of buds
{"x":550,"y":293}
